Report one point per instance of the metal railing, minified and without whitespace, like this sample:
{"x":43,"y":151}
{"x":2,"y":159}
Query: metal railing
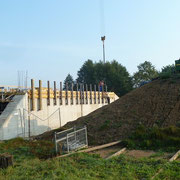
{"x":71,"y":140}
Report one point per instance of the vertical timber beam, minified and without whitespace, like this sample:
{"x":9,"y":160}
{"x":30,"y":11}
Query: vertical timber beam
{"x":86,"y":94}
{"x":32,"y":95}
{"x":72,"y":85}
{"x":94,"y":94}
{"x":40,"y":95}
{"x":102,"y":94}
{"x":106,"y":93}
{"x":55,"y":94}
{"x":77,"y":100}
{"x":98,"y":94}
{"x":81,"y":93}
{"x":66,"y":93}
{"x":48,"y":93}
{"x":90,"y":93}
{"x":60,"y":94}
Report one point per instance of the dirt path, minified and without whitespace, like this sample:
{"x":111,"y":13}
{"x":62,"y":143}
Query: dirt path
{"x":106,"y":152}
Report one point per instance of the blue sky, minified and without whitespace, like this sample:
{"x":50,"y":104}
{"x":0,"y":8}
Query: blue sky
{"x":51,"y":38}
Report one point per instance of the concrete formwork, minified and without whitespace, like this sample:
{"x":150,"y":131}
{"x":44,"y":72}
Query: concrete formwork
{"x":42,"y":109}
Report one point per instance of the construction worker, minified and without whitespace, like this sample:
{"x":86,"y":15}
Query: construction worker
{"x":101,"y":84}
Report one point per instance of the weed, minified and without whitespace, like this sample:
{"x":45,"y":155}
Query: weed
{"x":154,"y":138}
{"x":105,"y":125}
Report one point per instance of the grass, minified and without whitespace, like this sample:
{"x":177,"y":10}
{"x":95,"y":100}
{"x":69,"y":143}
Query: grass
{"x":28,"y":164}
{"x":89,"y":166}
{"x":165,"y":139}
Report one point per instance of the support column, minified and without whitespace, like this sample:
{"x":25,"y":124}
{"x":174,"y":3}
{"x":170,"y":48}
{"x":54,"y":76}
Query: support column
{"x":102,"y":94}
{"x":90,"y":93}
{"x":40,"y":95}
{"x":86,"y":94}
{"x":48,"y":93}
{"x":66,"y":93}
{"x":77,"y":90}
{"x":81,"y":93}
{"x":32,"y":95}
{"x":94,"y":94}
{"x":98,"y":94}
{"x":60,"y":94}
{"x":72,"y":100}
{"x":55,"y":94}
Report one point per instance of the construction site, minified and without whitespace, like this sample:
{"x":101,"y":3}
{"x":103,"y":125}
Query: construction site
{"x":142,"y":124}
{"x":109,"y":119}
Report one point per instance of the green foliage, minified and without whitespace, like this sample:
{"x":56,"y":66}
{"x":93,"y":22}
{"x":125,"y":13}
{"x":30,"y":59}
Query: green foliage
{"x":23,"y":149}
{"x":167,"y":72}
{"x":154,"y":138}
{"x":165,"y":75}
{"x":146,"y":71}
{"x":42,"y":149}
{"x":168,"y":69}
{"x":112,"y":73}
{"x":81,"y":165}
{"x":90,"y":166}
{"x":68,"y":80}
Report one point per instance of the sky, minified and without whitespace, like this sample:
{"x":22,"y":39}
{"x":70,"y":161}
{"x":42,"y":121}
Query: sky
{"x":51,"y":38}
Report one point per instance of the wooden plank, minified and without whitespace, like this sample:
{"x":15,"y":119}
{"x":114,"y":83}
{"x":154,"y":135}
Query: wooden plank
{"x":117,"y":153}
{"x":92,"y":149}
{"x":175,"y":156}
{"x":101,"y":147}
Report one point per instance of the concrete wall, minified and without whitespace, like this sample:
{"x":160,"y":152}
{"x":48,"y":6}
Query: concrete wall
{"x":18,"y":119}
{"x":12,"y":123}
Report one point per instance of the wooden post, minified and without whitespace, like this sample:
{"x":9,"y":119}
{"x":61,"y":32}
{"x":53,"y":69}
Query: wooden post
{"x":107,"y":101}
{"x":55,"y":94}
{"x":94,"y":94}
{"x":72,"y":94}
{"x":49,"y":93}
{"x":98,"y":94}
{"x":32,"y":95}
{"x":40,"y":95}
{"x":60,"y":94}
{"x":86,"y":94}
{"x":82,"y":93}
{"x":90,"y":93}
{"x":77,"y":100}
{"x":102,"y":94}
{"x":66,"y":93}
{"x":5,"y":160}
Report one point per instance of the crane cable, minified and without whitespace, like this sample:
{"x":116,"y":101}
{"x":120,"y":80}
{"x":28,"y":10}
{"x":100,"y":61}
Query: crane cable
{"x":102,"y":22}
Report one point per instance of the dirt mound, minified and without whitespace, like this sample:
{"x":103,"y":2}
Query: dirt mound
{"x":156,"y":103}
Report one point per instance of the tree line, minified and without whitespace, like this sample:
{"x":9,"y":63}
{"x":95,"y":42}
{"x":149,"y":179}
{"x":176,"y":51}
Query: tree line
{"x":115,"y":75}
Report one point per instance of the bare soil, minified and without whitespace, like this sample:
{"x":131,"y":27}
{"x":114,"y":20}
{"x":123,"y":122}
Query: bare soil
{"x":106,"y":152}
{"x":139,"y":153}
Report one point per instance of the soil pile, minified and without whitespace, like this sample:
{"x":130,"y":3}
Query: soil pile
{"x":154,"y":104}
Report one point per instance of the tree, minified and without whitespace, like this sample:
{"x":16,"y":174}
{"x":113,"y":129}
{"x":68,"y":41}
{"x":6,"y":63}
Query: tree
{"x":86,"y":73}
{"x":168,"y":69}
{"x":112,"y":73}
{"x":146,"y":71}
{"x":68,"y":80}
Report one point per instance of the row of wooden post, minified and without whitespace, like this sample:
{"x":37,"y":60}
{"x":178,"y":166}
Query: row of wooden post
{"x":82,"y":98}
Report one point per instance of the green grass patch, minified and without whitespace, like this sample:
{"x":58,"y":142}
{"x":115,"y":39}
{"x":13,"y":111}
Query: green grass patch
{"x":90,"y":167}
{"x":29,"y":164}
{"x":24,"y":149}
{"x":166,"y":139}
